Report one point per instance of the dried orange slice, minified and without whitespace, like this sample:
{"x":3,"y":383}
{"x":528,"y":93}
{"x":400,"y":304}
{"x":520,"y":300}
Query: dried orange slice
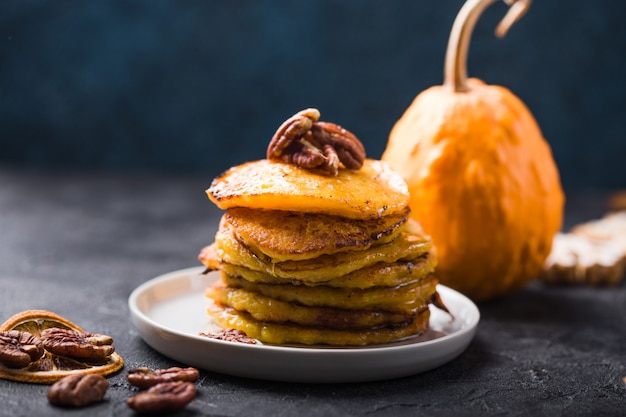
{"x":50,"y":367}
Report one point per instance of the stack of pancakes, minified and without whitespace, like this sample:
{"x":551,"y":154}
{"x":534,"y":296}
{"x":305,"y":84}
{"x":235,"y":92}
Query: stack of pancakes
{"x":315,"y":259}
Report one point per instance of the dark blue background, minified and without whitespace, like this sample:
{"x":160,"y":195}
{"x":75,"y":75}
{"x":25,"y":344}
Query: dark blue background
{"x":196,"y":85}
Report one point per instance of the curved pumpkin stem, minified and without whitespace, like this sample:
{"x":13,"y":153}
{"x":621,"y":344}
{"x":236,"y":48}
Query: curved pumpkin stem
{"x":455,"y":70}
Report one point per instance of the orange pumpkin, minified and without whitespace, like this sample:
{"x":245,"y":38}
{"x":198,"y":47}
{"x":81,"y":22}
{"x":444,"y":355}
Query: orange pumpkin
{"x":482,"y":178}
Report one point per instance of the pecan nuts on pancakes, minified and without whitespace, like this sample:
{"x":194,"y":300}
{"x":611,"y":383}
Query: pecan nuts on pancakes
{"x":304,"y":141}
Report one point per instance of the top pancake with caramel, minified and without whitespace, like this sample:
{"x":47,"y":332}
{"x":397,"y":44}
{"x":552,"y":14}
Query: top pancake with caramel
{"x":288,"y":235}
{"x":371,"y":192}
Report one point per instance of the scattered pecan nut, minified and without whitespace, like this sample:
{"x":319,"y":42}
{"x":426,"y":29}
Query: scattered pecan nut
{"x":231,"y":335}
{"x":19,"y":349}
{"x":304,"y":141}
{"x":163,"y":397}
{"x":78,"y":390}
{"x":145,"y":378}
{"x":87,"y":346}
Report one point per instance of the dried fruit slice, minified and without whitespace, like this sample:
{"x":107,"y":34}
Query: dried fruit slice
{"x":50,"y":367}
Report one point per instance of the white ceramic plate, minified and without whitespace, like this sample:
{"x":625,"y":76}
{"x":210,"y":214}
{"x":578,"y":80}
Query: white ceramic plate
{"x":169,"y":313}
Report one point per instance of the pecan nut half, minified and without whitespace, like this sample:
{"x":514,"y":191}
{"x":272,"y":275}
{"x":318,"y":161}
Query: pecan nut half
{"x":304,"y":141}
{"x":291,"y":130}
{"x":163,"y":397}
{"x":348,"y":147}
{"x":77,"y":345}
{"x":231,"y":335}
{"x":19,"y":349}
{"x":78,"y":390}
{"x":145,"y":378}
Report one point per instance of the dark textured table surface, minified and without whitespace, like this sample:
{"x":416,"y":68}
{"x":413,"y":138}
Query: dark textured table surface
{"x":78,"y":244}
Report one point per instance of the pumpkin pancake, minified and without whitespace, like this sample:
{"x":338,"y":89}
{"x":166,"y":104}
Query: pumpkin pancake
{"x":316,"y":246}
{"x":268,"y":309}
{"x":283,"y":333}
{"x":371,"y":192}
{"x":288,"y":235}
{"x":408,"y":245}
{"x":401,"y":299}
{"x":381,"y":274}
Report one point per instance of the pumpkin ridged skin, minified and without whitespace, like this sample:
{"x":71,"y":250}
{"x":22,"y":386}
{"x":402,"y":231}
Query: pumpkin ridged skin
{"x":483,"y":184}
